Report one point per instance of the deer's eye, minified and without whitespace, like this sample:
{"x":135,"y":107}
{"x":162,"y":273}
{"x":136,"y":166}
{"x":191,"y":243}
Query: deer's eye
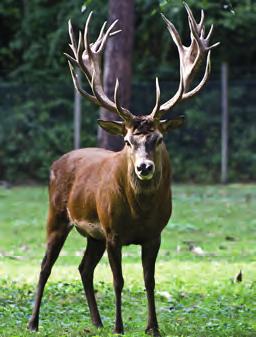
{"x":160,"y":140}
{"x":127,"y":143}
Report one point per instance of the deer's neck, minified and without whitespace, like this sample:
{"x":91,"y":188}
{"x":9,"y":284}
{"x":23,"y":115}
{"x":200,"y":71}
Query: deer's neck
{"x":141,"y":190}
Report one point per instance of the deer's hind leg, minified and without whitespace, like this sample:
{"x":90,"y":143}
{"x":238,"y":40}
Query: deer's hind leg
{"x":58,"y":228}
{"x":93,"y":253}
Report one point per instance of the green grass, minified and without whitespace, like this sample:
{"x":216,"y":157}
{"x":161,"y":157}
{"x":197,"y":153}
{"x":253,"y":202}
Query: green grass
{"x":196,"y":295}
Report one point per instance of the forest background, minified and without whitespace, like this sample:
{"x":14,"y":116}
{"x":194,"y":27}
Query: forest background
{"x":37,"y":95}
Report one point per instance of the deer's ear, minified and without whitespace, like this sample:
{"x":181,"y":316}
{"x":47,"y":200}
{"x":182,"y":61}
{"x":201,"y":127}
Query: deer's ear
{"x":112,"y":127}
{"x":167,"y":125}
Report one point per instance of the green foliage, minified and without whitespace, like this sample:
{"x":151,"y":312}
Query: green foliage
{"x":196,"y":295}
{"x":38,"y":130}
{"x":36,"y":112}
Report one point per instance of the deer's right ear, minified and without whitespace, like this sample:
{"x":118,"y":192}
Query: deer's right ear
{"x":112,"y":127}
{"x":167,"y":125}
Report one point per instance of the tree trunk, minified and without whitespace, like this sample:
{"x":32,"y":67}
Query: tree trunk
{"x":224,"y":123}
{"x":25,"y":8}
{"x":118,"y":62}
{"x":77,"y":115}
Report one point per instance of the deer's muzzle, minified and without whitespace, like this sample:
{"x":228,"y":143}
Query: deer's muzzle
{"x":145,"y":169}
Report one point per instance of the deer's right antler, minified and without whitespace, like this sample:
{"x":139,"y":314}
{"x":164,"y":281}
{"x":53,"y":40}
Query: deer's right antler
{"x":190,"y":60}
{"x":87,"y":56}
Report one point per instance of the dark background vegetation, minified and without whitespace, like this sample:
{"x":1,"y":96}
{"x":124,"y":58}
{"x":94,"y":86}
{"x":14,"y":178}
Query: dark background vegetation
{"x":36,"y":104}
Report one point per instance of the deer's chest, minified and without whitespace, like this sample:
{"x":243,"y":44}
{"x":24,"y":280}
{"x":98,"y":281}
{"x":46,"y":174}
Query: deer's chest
{"x":138,"y":227}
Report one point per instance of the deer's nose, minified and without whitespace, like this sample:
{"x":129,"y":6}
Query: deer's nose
{"x":145,"y":168}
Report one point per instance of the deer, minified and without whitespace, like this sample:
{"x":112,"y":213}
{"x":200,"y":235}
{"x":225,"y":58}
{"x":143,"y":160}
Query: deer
{"x":120,"y":198}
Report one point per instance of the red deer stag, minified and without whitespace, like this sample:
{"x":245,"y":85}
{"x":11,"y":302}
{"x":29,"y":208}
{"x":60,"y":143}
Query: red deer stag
{"x":118,"y":198}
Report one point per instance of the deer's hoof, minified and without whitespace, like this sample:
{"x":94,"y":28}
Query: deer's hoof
{"x":33,"y":326}
{"x":118,"y":331}
{"x":153,"y":332}
{"x":98,"y":325}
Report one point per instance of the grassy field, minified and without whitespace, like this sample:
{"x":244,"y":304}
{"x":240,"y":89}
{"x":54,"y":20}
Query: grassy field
{"x":210,"y":238}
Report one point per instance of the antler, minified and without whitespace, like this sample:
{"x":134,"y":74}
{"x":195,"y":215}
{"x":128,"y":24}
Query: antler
{"x":190,"y":60}
{"x":87,"y":56}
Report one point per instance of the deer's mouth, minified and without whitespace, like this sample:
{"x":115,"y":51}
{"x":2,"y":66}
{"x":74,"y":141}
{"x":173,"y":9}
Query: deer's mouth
{"x":145,"y":177}
{"x":145,"y":170}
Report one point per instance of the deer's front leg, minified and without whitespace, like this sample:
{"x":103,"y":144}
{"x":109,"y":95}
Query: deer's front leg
{"x":114,"y":250}
{"x":149,"y":255}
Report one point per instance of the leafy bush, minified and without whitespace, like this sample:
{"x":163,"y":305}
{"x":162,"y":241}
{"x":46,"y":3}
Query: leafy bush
{"x":37,"y":131}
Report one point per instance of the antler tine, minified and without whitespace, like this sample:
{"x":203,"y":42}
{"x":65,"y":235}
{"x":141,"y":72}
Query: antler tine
{"x":157,"y":105}
{"x":123,"y":113}
{"x":104,"y":39}
{"x":201,"y":23}
{"x":190,"y":59}
{"x":174,"y":34}
{"x":101,"y":35}
{"x":81,"y":64}
{"x":198,"y":28}
{"x":203,"y":81}
{"x":103,"y":100}
{"x":210,"y":33}
{"x":192,"y":20}
{"x":98,"y":41}
{"x":214,"y":45}
{"x":115,"y":32}
{"x":78,"y":86}
{"x":73,"y":44}
{"x":160,"y":109}
{"x":195,"y":29}
{"x":77,"y":49}
{"x":86,"y":39}
{"x":208,"y":38}
{"x":71,"y":59}
{"x":173,"y":101}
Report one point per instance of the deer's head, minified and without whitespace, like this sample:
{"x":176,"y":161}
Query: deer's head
{"x":143,"y":135}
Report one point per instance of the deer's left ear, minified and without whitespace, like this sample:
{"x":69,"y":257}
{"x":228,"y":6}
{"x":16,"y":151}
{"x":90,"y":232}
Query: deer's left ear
{"x":112,"y":127}
{"x":166,"y":125}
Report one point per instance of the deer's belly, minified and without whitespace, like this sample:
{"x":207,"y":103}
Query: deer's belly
{"x":86,"y":227}
{"x":93,"y":230}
